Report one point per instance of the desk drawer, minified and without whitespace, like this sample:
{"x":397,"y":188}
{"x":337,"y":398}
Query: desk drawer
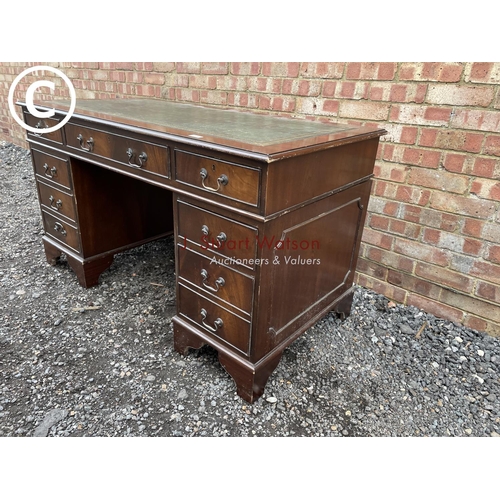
{"x":57,"y":201}
{"x":61,"y":231}
{"x":52,"y":168}
{"x":214,"y":319}
{"x":225,"y":179}
{"x":218,"y":234}
{"x":139,"y":154}
{"x":216,"y":279}
{"x":41,"y":123}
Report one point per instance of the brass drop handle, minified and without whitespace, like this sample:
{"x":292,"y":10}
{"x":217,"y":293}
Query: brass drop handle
{"x":58,"y":227}
{"x":221,"y":181}
{"x":221,"y":237}
{"x":218,"y":323}
{"x":143,"y":158}
{"x":219,"y":282}
{"x":40,"y":125}
{"x":53,"y":171}
{"x":56,"y":205}
{"x":89,"y":142}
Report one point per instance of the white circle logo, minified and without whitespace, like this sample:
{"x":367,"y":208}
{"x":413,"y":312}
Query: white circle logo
{"x":30,"y":95}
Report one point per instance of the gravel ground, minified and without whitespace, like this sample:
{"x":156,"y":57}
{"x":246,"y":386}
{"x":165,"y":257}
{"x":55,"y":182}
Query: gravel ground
{"x":100,"y":362}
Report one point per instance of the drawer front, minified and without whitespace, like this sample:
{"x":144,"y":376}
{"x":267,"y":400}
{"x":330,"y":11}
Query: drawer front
{"x":215,"y":319}
{"x":221,"y":178}
{"x":52,"y":168}
{"x":208,"y":231}
{"x":61,"y":231}
{"x":56,"y":201}
{"x":41,"y":123}
{"x":138,"y":154}
{"x":217,"y":280}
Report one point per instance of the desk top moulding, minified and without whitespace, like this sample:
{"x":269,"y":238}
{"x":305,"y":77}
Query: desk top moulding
{"x":267,"y":214}
{"x":268,"y":137}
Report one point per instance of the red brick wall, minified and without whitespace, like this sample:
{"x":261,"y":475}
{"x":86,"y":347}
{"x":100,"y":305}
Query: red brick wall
{"x":432,"y":236}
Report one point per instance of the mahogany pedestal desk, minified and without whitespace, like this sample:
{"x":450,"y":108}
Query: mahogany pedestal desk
{"x":267,"y":214}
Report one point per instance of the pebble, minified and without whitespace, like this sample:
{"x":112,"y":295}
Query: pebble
{"x":407,"y":330}
{"x":51,"y":418}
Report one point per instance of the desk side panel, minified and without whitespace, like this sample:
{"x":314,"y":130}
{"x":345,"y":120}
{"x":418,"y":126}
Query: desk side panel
{"x":311,"y":269}
{"x":298,"y":180}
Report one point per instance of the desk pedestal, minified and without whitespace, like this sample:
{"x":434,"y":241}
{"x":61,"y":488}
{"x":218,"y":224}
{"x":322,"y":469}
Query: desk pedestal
{"x":286,"y":274}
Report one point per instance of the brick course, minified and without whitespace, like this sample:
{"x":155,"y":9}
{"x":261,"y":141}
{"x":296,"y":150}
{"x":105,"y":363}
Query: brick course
{"x":432,"y":234}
